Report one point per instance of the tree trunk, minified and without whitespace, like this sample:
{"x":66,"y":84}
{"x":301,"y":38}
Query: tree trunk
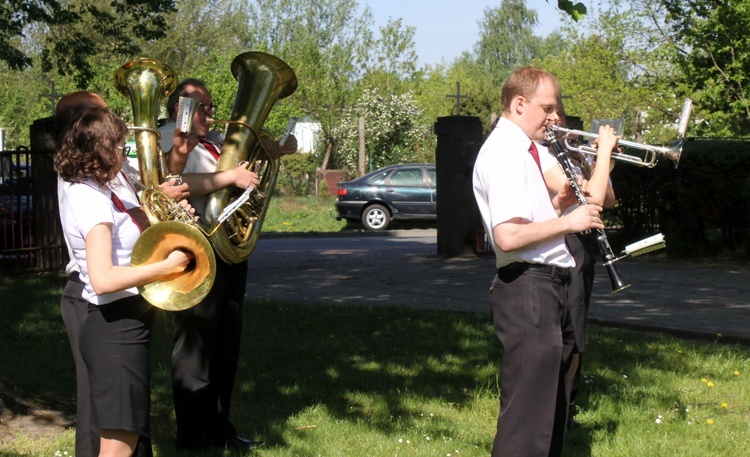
{"x":327,"y":156}
{"x":361,"y":145}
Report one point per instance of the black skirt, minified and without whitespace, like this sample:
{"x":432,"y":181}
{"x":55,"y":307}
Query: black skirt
{"x":114,"y":343}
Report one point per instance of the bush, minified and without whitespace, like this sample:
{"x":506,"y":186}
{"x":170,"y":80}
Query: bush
{"x":702,"y":207}
{"x":297,"y":175}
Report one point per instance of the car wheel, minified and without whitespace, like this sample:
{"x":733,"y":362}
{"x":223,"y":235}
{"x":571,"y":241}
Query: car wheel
{"x":376,"y":217}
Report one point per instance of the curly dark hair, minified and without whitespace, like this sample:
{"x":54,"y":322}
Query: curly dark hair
{"x":90,"y":148}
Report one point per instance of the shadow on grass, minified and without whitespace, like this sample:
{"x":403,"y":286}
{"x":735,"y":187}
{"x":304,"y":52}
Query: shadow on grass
{"x":344,"y":359}
{"x":298,"y":357}
{"x":301,"y":356}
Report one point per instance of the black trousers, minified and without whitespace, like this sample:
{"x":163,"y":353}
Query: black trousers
{"x":532,"y":323}
{"x":205,"y":357}
{"x":73,"y":309}
{"x":580,"y":285}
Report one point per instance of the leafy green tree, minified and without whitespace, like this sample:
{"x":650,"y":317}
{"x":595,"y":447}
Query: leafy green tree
{"x":609,"y":74}
{"x":391,"y":132}
{"x":506,"y":39}
{"x":390,"y":60}
{"x":713,"y":54}
{"x":199,"y":31}
{"x":22,"y":104}
{"x":67,"y":35}
{"x":323,"y":41}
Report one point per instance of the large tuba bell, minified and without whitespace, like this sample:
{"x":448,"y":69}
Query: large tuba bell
{"x":262,"y":79}
{"x":145,"y":82}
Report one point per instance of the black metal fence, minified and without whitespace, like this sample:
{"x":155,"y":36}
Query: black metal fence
{"x":30,"y":232}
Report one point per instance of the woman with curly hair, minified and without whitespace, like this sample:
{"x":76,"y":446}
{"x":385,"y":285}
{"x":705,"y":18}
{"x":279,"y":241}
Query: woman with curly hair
{"x":115,"y":334}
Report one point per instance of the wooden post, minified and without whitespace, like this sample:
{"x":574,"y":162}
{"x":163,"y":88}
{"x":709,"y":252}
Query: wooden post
{"x":362,"y":152}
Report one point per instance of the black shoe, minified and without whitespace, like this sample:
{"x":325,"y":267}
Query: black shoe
{"x":237,"y":442}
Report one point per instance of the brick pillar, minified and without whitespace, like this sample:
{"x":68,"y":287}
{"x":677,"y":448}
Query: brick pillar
{"x":458,"y":219}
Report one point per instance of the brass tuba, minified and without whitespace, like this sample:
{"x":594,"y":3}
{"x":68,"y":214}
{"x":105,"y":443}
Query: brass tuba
{"x":146,"y":82}
{"x":262,"y":79}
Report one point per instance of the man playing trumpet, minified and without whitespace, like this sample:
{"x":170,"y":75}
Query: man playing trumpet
{"x":599,"y":191}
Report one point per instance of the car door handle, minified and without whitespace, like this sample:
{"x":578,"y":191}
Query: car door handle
{"x":389,"y":190}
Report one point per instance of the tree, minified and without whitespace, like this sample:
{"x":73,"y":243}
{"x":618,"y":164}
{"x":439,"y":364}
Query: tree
{"x":713,"y":54}
{"x":199,"y":31}
{"x":618,"y":71}
{"x":389,"y":60}
{"x":391,"y":132}
{"x":323,"y":41}
{"x":71,"y":33}
{"x":506,"y":39}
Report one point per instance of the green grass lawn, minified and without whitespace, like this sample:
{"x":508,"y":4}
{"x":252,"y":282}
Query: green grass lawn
{"x":357,"y":381}
{"x":312,"y":214}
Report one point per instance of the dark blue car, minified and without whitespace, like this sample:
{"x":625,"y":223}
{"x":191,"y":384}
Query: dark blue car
{"x":398,"y":192}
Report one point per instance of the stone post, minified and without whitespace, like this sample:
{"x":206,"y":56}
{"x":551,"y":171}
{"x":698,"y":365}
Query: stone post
{"x":458,"y":219}
{"x":47,"y":233}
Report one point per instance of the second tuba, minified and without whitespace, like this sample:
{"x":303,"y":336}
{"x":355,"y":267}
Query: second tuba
{"x":262,"y":79}
{"x":145,"y":82}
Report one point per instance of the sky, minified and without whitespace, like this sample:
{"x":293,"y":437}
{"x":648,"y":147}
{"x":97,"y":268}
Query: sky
{"x":446,"y":28}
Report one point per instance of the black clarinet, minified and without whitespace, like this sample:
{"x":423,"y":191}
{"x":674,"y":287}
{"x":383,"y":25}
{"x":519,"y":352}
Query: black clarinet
{"x":601,"y":238}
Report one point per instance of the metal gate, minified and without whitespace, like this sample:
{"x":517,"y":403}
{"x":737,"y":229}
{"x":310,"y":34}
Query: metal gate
{"x":30,"y":232}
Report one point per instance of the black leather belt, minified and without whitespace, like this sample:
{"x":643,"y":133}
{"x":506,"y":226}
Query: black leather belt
{"x":536,"y":268}
{"x":75,"y":277}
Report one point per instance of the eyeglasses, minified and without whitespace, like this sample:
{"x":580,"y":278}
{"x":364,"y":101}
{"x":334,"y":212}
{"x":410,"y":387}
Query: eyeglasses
{"x":125,"y":150}
{"x":208,"y":110}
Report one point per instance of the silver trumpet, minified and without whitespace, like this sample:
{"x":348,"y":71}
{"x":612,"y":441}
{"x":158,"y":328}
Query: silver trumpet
{"x":671,"y":152}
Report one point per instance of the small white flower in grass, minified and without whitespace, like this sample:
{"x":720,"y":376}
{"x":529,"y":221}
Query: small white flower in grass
{"x":625,"y":376}
{"x":400,"y":440}
{"x":427,"y":438}
{"x":408,"y":441}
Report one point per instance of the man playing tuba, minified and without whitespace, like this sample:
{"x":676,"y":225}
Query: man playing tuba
{"x":207,"y":336}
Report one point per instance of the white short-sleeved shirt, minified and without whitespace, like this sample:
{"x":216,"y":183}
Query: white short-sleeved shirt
{"x":124,"y":189}
{"x":548,"y":160}
{"x":508,"y":184}
{"x":83,"y":207}
{"x":199,"y":160}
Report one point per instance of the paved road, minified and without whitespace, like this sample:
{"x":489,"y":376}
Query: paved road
{"x":403,"y":269}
